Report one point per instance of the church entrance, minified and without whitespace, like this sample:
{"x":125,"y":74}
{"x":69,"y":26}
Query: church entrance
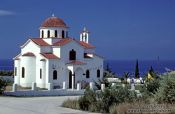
{"x":70,"y":79}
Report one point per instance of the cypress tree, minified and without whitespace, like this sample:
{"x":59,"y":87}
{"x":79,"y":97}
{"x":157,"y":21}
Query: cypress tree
{"x":137,"y":70}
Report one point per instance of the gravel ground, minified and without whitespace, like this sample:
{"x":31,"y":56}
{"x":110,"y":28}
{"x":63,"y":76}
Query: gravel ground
{"x":36,"y":105}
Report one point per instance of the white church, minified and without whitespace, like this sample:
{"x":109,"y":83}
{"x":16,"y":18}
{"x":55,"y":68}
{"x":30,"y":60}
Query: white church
{"x":54,"y":57}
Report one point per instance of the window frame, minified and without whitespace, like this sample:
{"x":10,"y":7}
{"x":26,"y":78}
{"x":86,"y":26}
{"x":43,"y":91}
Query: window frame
{"x":48,"y":33}
{"x":55,"y":75}
{"x":98,"y":73}
{"x":23,"y":72}
{"x":40,"y":73}
{"x":87,"y":74}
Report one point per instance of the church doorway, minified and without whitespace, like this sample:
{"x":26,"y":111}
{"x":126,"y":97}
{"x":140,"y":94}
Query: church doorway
{"x":70,"y":79}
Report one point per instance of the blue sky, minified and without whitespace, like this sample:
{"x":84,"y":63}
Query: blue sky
{"x":120,"y":29}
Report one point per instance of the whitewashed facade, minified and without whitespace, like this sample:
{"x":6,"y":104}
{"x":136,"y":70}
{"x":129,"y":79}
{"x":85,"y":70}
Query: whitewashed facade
{"x":54,"y":58}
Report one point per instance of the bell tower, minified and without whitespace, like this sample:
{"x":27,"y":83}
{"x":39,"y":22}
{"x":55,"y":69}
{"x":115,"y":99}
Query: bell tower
{"x":84,"y":35}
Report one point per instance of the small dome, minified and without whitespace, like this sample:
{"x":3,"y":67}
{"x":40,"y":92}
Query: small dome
{"x":53,"y":22}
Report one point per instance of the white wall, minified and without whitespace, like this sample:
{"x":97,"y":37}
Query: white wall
{"x":30,"y":47}
{"x":17,"y":77}
{"x":41,"y":81}
{"x":29,"y":63}
{"x":52,"y":32}
{"x":56,"y":51}
{"x":55,"y":64}
{"x":67,"y":48}
{"x":46,"y":49}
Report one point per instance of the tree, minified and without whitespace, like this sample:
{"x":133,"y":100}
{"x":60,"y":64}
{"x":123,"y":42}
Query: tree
{"x":108,"y":72}
{"x":108,"y":68}
{"x":137,"y":70}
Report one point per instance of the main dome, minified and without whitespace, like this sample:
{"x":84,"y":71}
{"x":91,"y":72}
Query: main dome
{"x":53,"y":22}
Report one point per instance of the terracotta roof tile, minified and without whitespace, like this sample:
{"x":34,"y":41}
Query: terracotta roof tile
{"x":53,"y":22}
{"x":86,"y":45}
{"x":75,"y":62}
{"x":39,"y":42}
{"x":28,"y":54}
{"x":49,"y":55}
{"x":63,"y":42}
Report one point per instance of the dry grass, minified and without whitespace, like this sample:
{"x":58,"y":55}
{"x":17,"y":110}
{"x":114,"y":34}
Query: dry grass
{"x":71,"y":103}
{"x":8,"y":88}
{"x":142,"y":108}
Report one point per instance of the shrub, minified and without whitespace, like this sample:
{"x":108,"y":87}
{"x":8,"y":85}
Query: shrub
{"x":3,"y":85}
{"x":103,"y":81}
{"x":166,"y":91}
{"x":152,"y":86}
{"x":102,"y":100}
{"x":74,"y":104}
{"x":88,"y":99}
{"x":115,"y":95}
{"x":84,"y":84}
{"x":6,"y":73}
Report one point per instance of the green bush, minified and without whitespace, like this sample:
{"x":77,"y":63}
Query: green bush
{"x":88,"y":99}
{"x":101,"y":101}
{"x":3,"y":85}
{"x":152,"y":86}
{"x":166,"y":91}
{"x":6,"y":73}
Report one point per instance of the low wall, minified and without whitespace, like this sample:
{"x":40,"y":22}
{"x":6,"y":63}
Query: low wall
{"x":55,"y":92}
{"x":7,"y":78}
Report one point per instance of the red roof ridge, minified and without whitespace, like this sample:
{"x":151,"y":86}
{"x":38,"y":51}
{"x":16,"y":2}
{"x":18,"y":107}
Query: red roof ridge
{"x":28,"y":54}
{"x":49,"y":56}
{"x":54,"y":22}
{"x":86,"y":45}
{"x":63,"y":42}
{"x":39,"y":41}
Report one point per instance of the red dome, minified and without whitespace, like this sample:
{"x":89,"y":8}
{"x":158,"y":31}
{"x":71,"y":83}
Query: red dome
{"x":53,"y":22}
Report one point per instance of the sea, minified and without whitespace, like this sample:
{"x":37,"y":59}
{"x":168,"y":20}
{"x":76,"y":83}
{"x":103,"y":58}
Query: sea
{"x":119,"y":67}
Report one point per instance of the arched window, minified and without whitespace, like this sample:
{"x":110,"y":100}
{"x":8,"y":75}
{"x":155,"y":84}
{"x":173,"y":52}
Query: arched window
{"x":15,"y":72}
{"x":87,"y":74}
{"x":72,"y":55}
{"x":23,"y":72}
{"x":56,"y":34}
{"x":42,"y":34}
{"x":48,"y":33}
{"x":55,"y":75}
{"x":40,"y":73}
{"x":98,"y":73}
{"x":63,"y":34}
{"x":85,"y":36}
{"x":70,"y":79}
